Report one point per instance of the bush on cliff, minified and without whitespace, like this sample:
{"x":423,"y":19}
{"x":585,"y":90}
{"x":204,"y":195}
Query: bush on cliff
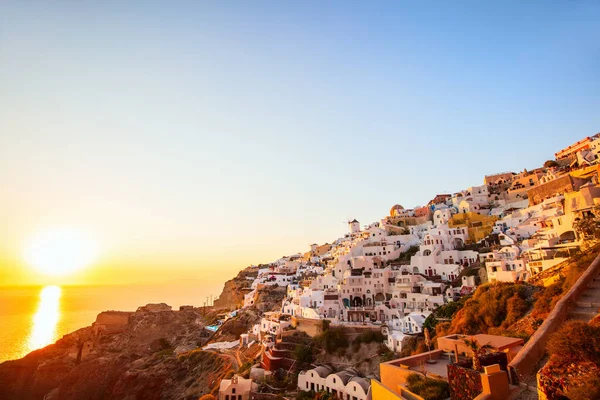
{"x":303,"y":353}
{"x":574,"y":368}
{"x":576,"y":341}
{"x":496,"y":305}
{"x":447,"y":311}
{"x":428,"y":388}
{"x":332,"y":339}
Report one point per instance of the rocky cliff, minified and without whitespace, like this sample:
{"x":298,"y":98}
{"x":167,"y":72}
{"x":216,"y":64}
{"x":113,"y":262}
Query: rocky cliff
{"x":142,"y":355}
{"x":232,"y":296}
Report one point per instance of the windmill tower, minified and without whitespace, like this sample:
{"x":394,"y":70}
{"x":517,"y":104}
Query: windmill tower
{"x":354,"y":226}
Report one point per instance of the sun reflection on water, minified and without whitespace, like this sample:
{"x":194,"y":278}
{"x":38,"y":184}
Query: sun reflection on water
{"x":46,"y":318}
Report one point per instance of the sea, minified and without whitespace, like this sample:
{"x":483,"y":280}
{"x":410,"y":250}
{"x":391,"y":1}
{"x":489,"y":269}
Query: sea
{"x":33,"y":317}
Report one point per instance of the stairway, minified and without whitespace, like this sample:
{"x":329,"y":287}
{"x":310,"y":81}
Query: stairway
{"x":588,"y":305}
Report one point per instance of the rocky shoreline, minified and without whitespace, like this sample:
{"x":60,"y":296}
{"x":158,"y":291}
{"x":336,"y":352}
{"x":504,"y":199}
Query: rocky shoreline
{"x":152,"y":353}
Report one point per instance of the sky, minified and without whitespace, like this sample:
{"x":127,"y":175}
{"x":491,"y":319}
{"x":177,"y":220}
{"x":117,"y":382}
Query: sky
{"x":191,"y":139}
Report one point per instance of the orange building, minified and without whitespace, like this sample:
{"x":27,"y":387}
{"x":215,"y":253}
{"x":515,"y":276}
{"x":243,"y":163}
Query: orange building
{"x":583,"y":144}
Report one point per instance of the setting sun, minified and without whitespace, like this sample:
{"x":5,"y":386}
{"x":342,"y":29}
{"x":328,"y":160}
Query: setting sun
{"x":60,"y":252}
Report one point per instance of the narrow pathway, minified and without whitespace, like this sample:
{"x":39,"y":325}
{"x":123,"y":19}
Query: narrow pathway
{"x":586,"y":308}
{"x":588,"y":305}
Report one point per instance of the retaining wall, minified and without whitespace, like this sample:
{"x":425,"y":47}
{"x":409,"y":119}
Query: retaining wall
{"x":526,"y":360}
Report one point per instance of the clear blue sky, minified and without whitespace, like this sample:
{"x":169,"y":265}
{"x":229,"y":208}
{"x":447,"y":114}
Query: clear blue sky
{"x":194,"y":134}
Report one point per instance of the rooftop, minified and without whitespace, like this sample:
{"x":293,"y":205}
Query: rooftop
{"x":434,"y":362}
{"x":499,"y":343}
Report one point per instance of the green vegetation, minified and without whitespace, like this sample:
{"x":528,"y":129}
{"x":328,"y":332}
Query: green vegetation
{"x":386,"y":354}
{"x":576,"y":341}
{"x":545,"y":300}
{"x":588,"y":227}
{"x":245,"y":368}
{"x":331,"y":340}
{"x":493,"y":308}
{"x":446,"y":311}
{"x":548,"y":296}
{"x":477,"y":351}
{"x":322,"y":395}
{"x":428,"y":388}
{"x":573,"y":371}
{"x":303,"y":353}
{"x":405,"y":257}
{"x":550,"y":164}
{"x":367,"y":337}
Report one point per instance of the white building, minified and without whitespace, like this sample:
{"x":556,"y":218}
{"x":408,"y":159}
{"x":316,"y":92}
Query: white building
{"x":396,"y":341}
{"x":345,"y":384}
{"x":354,"y":226}
{"x":413,"y":322}
{"x":505,"y":266}
{"x":236,"y":388}
{"x":272,"y":324}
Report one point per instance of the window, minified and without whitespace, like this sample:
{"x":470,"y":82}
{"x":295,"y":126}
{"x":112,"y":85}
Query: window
{"x":233,"y":391}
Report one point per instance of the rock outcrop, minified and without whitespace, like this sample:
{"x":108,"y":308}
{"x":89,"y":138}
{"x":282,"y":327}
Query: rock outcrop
{"x":232,"y":296}
{"x":122,"y":356}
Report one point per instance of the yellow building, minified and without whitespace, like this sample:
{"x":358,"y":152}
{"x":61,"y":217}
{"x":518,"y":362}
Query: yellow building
{"x":392,"y":385}
{"x":479,"y":226}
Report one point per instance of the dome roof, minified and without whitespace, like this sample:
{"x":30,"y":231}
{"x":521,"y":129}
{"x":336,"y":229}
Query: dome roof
{"x":396,"y":207}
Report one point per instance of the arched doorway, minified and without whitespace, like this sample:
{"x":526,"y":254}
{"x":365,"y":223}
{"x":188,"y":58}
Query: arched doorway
{"x":357,"y":302}
{"x":567,"y":237}
{"x":458,"y":243}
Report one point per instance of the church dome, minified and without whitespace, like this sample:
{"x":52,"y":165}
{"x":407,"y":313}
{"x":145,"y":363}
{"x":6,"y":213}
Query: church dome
{"x":396,"y":207}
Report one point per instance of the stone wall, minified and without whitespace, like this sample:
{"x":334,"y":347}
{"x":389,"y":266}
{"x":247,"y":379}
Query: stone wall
{"x":263,"y":396}
{"x":111,"y":321}
{"x":465,"y":383}
{"x":563,"y":184}
{"x":312,"y":327}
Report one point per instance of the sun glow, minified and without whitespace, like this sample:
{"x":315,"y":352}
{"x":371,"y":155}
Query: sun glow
{"x":60,"y":252}
{"x":46,"y":318}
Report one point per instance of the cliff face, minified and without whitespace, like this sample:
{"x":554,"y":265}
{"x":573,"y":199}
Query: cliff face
{"x":153,"y":355}
{"x":232,"y":296}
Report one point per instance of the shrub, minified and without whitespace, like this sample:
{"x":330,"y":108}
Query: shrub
{"x":576,"y":341}
{"x":546,"y":299}
{"x":492,"y":306}
{"x":588,"y":387}
{"x":332,"y":340}
{"x":447,"y":311}
{"x":428,"y":388}
{"x":369,"y":337}
{"x":314,"y":396}
{"x":164,"y":344}
{"x":303,"y":353}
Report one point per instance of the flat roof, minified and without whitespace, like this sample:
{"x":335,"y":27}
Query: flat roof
{"x":497,"y":342}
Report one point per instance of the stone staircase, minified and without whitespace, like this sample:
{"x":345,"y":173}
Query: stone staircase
{"x":588,"y":305}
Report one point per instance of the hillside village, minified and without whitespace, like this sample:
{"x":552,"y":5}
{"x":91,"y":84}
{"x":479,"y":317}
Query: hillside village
{"x":492,"y":292}
{"x":398,"y":277}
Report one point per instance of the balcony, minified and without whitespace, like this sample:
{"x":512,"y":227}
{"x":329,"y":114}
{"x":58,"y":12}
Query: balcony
{"x":365,"y":308}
